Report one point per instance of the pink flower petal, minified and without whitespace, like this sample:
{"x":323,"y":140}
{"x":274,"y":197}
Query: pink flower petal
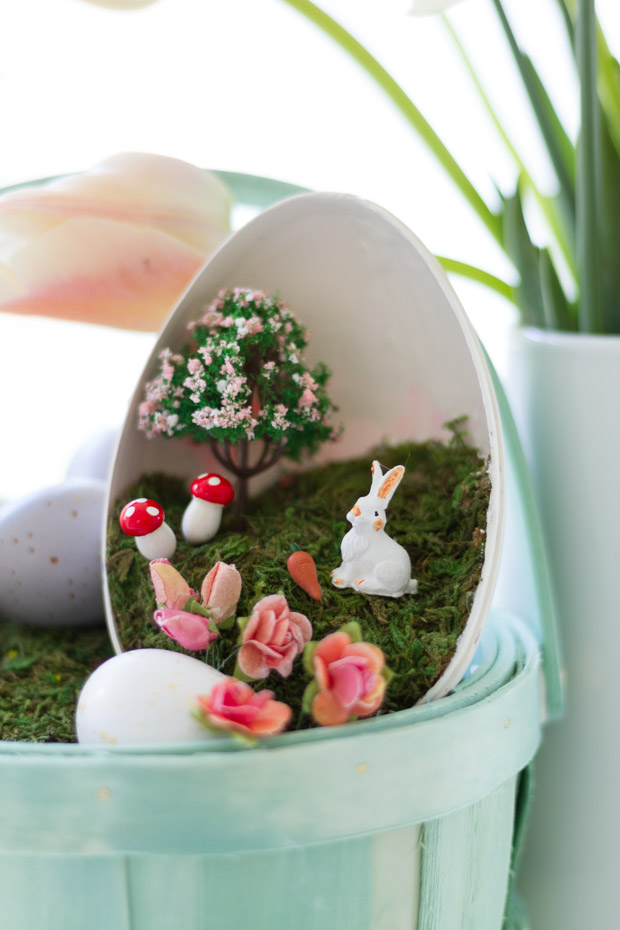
{"x":189,"y":630}
{"x":331,"y":647}
{"x":327,"y":710}
{"x":252,"y":661}
{"x":346,"y":684}
{"x":116,"y":245}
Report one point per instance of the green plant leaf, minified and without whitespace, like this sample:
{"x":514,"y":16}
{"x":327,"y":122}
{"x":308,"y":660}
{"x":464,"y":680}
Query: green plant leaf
{"x":406,"y":106}
{"x":525,"y":256}
{"x":609,"y":88}
{"x":556,"y":308}
{"x":589,"y":181}
{"x":609,"y":233}
{"x":452,"y":266}
{"x":556,"y":139}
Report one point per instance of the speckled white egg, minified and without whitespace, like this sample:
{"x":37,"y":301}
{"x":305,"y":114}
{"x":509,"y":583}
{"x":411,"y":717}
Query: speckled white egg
{"x":144,"y":696}
{"x":94,"y":458}
{"x":50,"y":570}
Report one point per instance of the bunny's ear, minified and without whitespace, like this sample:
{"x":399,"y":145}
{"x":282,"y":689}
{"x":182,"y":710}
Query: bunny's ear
{"x":377,"y":477}
{"x":390,"y":482}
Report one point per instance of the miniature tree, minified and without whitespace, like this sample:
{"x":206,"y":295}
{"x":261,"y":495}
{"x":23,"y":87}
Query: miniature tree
{"x":241,"y":377}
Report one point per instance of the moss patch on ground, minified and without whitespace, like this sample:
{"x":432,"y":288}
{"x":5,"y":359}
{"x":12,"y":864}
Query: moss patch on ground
{"x":438,"y":514}
{"x":41,"y":674}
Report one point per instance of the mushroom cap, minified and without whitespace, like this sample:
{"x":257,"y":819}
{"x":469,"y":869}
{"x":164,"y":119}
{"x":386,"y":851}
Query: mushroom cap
{"x":213,"y":488}
{"x":141,"y":517}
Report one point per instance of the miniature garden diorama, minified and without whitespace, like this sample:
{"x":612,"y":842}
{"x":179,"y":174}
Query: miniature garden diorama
{"x":336,"y":594}
{"x":312,"y":609}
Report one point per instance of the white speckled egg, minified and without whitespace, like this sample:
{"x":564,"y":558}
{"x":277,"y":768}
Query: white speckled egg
{"x":50,"y":570}
{"x":144,"y":696}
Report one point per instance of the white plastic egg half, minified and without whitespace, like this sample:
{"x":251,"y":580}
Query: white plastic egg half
{"x":145,"y":696}
{"x":384,"y":319}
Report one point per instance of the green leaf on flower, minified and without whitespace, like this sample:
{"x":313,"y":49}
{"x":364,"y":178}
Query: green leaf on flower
{"x":308,"y":657}
{"x":193,"y":607}
{"x":243,"y":739}
{"x":228,"y":623}
{"x":353,"y":630}
{"x":242,"y":622}
{"x":241,"y":675}
{"x":309,"y":695}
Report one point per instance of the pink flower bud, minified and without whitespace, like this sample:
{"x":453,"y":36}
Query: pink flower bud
{"x":221,"y":590}
{"x":272,"y":638}
{"x":189,"y":630}
{"x":171,"y":589}
{"x":233,"y":705}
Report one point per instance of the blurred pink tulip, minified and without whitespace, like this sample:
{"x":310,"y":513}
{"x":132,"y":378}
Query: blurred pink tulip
{"x":122,"y":4}
{"x":422,"y":7}
{"x":116,"y":245}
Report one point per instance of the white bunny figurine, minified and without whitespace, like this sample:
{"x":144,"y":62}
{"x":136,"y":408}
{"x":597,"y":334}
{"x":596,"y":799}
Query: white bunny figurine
{"x":372,"y":561}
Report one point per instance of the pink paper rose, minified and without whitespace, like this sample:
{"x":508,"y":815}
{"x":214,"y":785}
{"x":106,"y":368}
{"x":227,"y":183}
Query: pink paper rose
{"x":272,"y":638}
{"x":233,"y":705}
{"x":350,"y":679}
{"x":192,"y":631}
{"x":221,"y":590}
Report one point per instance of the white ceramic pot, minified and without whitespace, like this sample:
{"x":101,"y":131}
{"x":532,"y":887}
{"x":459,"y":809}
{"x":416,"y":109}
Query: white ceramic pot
{"x":564,"y":390}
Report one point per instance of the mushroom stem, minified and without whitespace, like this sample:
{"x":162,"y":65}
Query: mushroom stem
{"x":160,"y":544}
{"x":201,"y":521}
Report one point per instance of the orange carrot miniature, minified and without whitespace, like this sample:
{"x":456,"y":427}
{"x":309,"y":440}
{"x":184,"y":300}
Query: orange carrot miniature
{"x":302,"y":569}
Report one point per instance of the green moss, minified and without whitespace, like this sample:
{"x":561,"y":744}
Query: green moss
{"x":41,"y":674}
{"x":438,"y":514}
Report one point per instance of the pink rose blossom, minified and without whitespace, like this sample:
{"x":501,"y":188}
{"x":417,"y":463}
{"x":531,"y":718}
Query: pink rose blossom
{"x":233,"y":705}
{"x":349,"y":678}
{"x":171,"y":589}
{"x":189,"y":630}
{"x":272,"y":638}
{"x":221,"y":590}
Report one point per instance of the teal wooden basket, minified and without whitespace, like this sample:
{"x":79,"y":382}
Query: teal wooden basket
{"x":405,"y":822}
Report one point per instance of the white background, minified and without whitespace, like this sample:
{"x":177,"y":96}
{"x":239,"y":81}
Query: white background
{"x":250,"y":86}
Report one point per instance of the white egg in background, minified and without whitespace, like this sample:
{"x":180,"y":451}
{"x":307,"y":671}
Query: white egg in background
{"x":145,"y":696}
{"x":94,"y":457}
{"x":50,"y":567}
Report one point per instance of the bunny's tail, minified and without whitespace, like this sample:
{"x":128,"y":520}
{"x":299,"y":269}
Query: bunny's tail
{"x":412,"y":587}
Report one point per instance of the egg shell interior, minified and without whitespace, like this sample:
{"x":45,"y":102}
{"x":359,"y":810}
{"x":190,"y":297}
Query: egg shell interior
{"x":384,"y":318}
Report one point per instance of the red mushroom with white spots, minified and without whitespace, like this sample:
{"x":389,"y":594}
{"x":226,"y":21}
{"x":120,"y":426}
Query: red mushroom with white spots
{"x":143,"y":518}
{"x":203,"y":514}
